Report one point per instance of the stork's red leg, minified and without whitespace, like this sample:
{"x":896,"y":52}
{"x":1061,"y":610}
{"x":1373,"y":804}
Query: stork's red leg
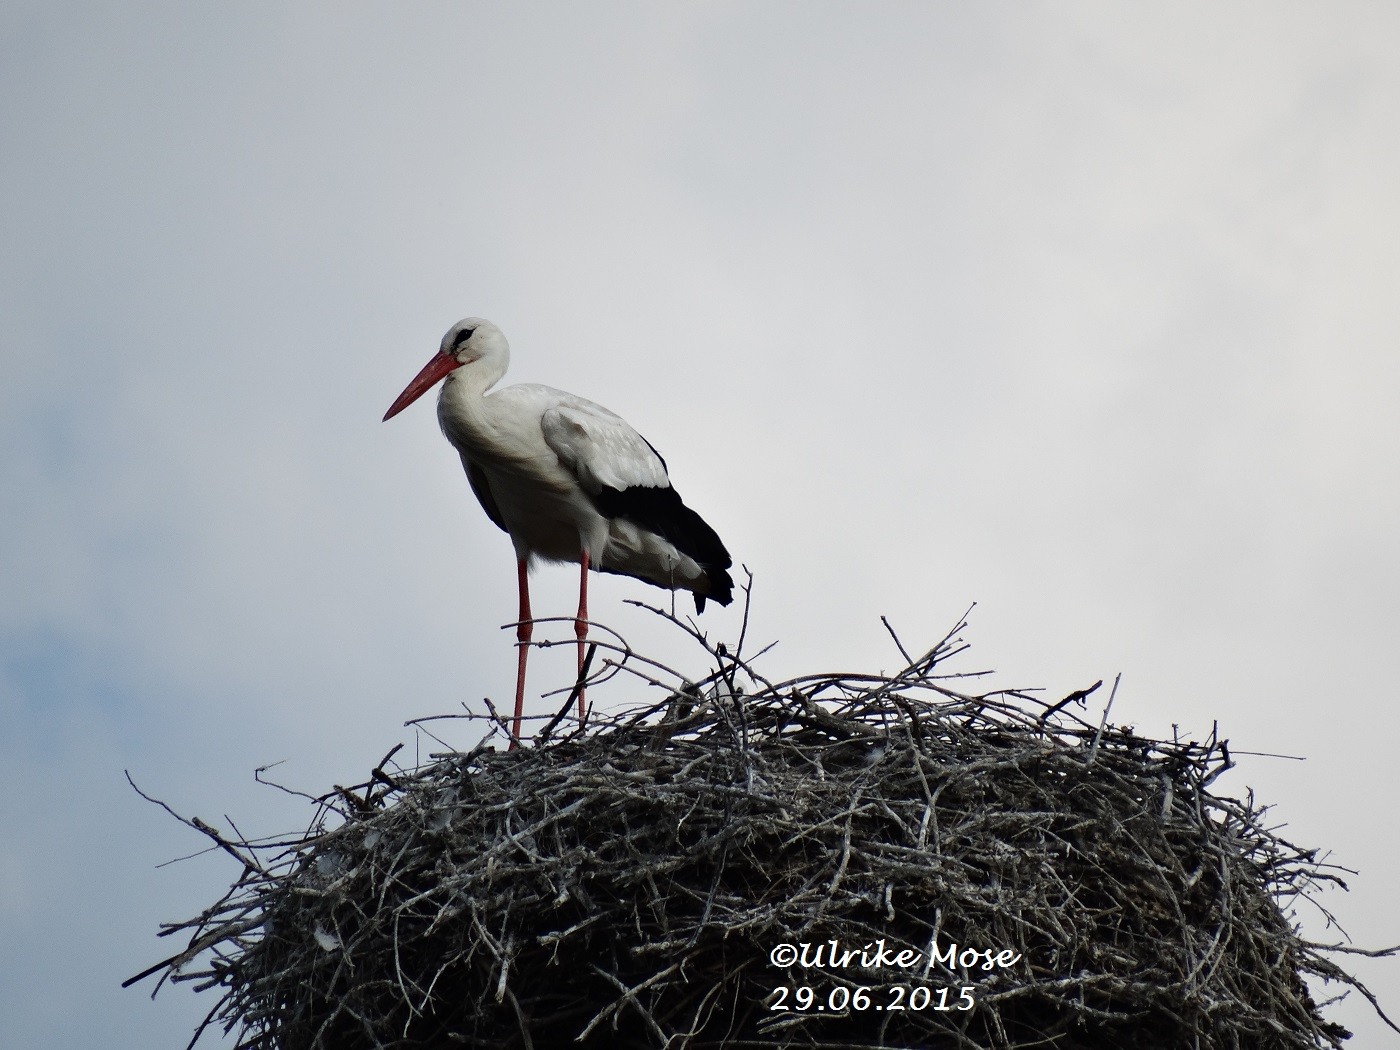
{"x":581,"y":623}
{"x":524,"y":630}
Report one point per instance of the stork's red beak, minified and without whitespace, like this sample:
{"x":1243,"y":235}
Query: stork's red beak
{"x":433,"y":371}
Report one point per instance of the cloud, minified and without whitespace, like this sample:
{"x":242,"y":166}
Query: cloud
{"x":1078,"y":313}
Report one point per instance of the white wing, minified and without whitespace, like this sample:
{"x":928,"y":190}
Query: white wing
{"x":599,"y":447}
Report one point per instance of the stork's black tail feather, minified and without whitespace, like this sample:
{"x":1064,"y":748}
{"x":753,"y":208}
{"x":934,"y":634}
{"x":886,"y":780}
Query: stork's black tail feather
{"x":661,"y":511}
{"x":721,"y":584}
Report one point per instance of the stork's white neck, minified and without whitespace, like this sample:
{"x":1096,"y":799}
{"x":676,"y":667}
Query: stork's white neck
{"x":463,"y":409}
{"x":472,"y":380}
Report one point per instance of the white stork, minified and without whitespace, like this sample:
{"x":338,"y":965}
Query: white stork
{"x":568,"y":480}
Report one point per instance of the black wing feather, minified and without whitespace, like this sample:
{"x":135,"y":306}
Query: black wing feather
{"x":482,"y":488}
{"x":661,"y":511}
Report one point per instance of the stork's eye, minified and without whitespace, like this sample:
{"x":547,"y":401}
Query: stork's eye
{"x":462,"y":337}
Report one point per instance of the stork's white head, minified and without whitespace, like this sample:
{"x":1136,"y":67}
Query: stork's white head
{"x":474,"y":339}
{"x":473,"y":342}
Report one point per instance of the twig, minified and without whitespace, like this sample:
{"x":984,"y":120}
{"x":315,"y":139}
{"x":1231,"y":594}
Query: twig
{"x":1098,"y":735}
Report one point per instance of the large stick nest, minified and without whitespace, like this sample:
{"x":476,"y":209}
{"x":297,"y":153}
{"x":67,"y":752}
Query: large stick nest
{"x":1074,"y":884}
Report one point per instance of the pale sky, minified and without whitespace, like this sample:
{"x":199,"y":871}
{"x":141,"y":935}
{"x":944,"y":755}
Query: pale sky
{"x":1083,"y":312}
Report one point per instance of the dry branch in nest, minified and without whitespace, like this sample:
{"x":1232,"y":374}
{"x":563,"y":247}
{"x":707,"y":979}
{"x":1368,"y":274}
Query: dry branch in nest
{"x":949,"y":870}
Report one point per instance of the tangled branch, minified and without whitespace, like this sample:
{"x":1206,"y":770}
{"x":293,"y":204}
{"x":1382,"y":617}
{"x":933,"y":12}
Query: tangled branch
{"x":628,"y":885}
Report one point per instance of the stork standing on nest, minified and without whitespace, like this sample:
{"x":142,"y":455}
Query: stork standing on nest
{"x":568,"y":480}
